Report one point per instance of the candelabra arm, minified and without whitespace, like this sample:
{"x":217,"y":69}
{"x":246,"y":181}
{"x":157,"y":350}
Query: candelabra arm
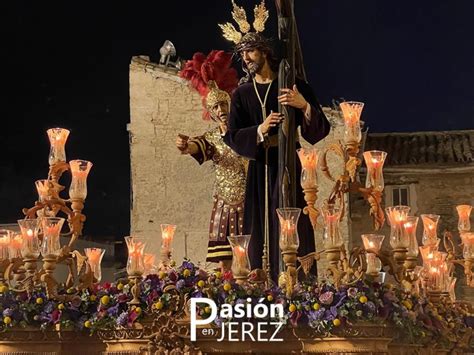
{"x":338,"y":149}
{"x":449,"y":245}
{"x":310,"y":196}
{"x":374,"y":198}
{"x":57,"y":170}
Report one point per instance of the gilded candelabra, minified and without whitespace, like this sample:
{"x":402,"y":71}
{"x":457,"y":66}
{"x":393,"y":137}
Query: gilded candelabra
{"x":41,"y":229}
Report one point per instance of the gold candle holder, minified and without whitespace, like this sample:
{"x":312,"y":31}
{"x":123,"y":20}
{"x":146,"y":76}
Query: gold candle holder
{"x":410,"y":231}
{"x":135,"y":266}
{"x":309,"y":181}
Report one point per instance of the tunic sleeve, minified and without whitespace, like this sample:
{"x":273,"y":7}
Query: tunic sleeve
{"x":205,"y":149}
{"x":242,"y":133}
{"x":317,"y":127}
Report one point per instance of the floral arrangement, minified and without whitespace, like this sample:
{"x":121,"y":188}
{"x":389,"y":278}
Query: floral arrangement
{"x":321,"y":307}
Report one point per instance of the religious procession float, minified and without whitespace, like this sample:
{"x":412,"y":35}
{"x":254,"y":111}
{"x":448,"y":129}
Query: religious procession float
{"x":364,"y":300}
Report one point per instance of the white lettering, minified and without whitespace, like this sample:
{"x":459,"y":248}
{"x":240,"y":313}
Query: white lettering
{"x":195,"y":321}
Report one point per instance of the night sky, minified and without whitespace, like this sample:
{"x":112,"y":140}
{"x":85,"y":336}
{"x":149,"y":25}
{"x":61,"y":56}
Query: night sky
{"x":411,"y":62}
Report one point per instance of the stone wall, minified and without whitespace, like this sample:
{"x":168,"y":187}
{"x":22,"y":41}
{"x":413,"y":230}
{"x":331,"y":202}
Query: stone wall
{"x":167,"y":187}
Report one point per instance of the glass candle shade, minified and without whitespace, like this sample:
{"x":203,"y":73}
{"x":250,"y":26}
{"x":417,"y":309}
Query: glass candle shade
{"x":397,"y":216}
{"x":464,"y":213}
{"x":136,"y":250}
{"x":5,"y":236}
{"x":79,"y":170}
{"x":373,"y":264}
{"x":468,"y":245}
{"x":430,"y":226}
{"x":372,"y":242}
{"x":94,"y":257}
{"x":149,"y":261}
{"x":289,"y":240}
{"x":410,"y":231}
{"x":437,"y":271}
{"x":167,"y":235}
{"x":427,"y":253}
{"x":331,"y":217}
{"x":29,"y":230}
{"x":57,"y":139}
{"x":51,"y":227}
{"x":374,"y":160}
{"x":309,"y":162}
{"x":16,"y":245}
{"x":351,"y":110}
{"x":240,"y":258}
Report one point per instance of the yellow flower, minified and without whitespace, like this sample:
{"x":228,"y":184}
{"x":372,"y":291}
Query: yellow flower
{"x":138,"y":310}
{"x":269,"y":298}
{"x":407,"y":304}
{"x":3,"y":289}
{"x":201,"y":283}
{"x":363,"y":299}
{"x":120,"y":286}
{"x":61,"y":306}
{"x":292,"y":307}
{"x":105,"y":300}
{"x":162,"y":275}
{"x":316,"y":306}
{"x":186,"y":273}
{"x":7,"y":320}
{"x":92,"y":298}
{"x":39,"y":300}
{"x":336,"y":322}
{"x":70,"y":290}
{"x":87,"y":324}
{"x":227,"y":286}
{"x":207,"y":310}
{"x":218,"y":274}
{"x":159,"y":305}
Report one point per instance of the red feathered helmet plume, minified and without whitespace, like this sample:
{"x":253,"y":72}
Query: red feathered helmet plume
{"x":216,"y":67}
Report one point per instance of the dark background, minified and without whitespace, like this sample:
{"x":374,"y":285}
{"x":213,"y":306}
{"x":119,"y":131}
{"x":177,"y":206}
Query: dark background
{"x":411,"y":62}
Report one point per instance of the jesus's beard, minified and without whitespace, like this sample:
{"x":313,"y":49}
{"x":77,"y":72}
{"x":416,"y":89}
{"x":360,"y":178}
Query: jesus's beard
{"x":255,"y":67}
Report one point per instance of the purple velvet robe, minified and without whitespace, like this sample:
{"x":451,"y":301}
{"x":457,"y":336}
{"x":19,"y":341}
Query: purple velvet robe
{"x":245,"y":117}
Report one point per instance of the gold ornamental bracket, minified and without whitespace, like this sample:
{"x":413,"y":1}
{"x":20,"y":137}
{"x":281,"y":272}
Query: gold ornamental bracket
{"x":454,"y":258}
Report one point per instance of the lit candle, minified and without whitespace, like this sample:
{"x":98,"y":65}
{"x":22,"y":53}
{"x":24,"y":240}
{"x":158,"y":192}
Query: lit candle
{"x":397,"y":216}
{"x":374,"y":160}
{"x":464,"y":213}
{"x":430,"y":225}
{"x":309,"y":161}
{"x":57,"y":139}
{"x":167,"y":235}
{"x":136,"y":248}
{"x":351,"y":111}
{"x":80,"y":170}
{"x":16,"y":243}
{"x":94,"y":257}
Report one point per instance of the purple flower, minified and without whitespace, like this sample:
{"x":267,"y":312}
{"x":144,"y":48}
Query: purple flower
{"x":122,"y":319}
{"x":370,"y":307}
{"x":326,"y":298}
{"x":7,"y":312}
{"x":113,"y":311}
{"x":180,"y":284}
{"x":352,"y":292}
